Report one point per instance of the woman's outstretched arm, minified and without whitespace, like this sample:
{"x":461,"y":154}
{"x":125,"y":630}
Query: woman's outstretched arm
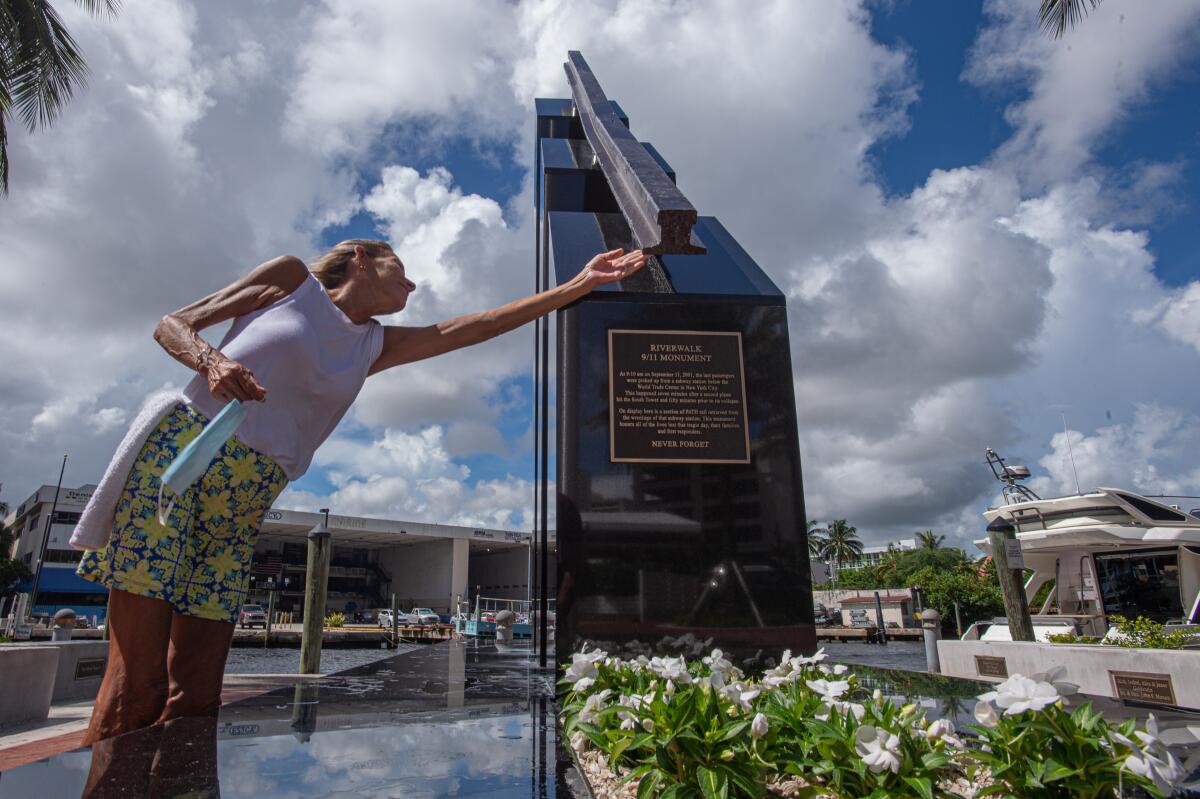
{"x":408,"y":344}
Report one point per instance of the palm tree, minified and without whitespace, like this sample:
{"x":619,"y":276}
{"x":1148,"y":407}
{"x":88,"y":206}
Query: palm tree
{"x":816,"y":541}
{"x":841,"y":542}
{"x":928,"y":539}
{"x":1055,"y":16}
{"x":40,"y":65}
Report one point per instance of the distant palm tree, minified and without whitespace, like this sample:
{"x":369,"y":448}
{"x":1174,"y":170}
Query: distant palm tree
{"x":1055,"y":16}
{"x":816,"y":541}
{"x":841,"y":542}
{"x":928,"y":539}
{"x":40,"y":65}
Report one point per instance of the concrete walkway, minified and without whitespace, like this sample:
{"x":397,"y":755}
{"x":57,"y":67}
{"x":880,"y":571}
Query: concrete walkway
{"x":64,"y":729}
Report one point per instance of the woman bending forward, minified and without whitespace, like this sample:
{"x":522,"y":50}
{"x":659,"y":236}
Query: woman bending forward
{"x":301,"y":345}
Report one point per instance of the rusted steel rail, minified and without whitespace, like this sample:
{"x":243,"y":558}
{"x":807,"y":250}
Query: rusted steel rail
{"x":659,"y":216}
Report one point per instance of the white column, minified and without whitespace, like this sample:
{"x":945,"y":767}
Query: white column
{"x":460,"y":558}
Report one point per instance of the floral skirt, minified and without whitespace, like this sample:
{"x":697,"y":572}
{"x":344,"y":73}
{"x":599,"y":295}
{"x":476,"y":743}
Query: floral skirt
{"x":199,"y":561}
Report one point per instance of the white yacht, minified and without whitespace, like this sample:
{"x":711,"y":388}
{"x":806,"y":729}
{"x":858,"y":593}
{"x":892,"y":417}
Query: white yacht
{"x":1108,"y":552}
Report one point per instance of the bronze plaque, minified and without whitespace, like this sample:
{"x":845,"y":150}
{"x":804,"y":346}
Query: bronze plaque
{"x":988,"y":666}
{"x":676,"y":396}
{"x":1142,"y":686}
{"x":87,"y":668}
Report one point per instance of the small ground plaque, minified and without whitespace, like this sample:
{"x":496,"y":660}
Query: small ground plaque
{"x":1143,"y":686}
{"x":88,"y":668}
{"x":988,"y":666}
{"x":677,"y":396}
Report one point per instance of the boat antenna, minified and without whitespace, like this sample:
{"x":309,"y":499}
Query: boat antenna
{"x":1071,"y":452}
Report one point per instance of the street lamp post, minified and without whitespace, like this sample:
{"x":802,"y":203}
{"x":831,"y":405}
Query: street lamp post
{"x":272,"y":587}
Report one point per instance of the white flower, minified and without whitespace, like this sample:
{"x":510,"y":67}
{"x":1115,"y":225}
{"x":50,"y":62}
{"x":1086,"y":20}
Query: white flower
{"x":1152,"y":760}
{"x":878,"y":748}
{"x":583,"y":665}
{"x":579,"y":742}
{"x":674,"y":669}
{"x":592,"y":707}
{"x":584,"y":683}
{"x":718,"y":662}
{"x":877,"y":697}
{"x":740,"y":695}
{"x":943,"y":730}
{"x":1020,"y":693}
{"x":985,"y":714}
{"x":845,"y":708}
{"x":648,"y":725}
{"x":830,"y":690}
{"x":759,"y":727}
{"x":839,"y":669}
{"x":627,"y":721}
{"x":1055,"y":678}
{"x":812,"y":659}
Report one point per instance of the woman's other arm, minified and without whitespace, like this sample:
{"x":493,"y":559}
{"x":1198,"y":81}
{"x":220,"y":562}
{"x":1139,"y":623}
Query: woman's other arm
{"x":179,"y":331}
{"x":407,"y":344}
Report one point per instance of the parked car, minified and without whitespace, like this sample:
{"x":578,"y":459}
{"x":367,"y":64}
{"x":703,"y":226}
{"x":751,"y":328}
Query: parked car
{"x":252,"y":616}
{"x":366,"y":616}
{"x":421,"y":616}
{"x":384,"y":617}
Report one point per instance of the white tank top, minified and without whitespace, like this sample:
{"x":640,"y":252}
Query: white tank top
{"x":311,"y":359}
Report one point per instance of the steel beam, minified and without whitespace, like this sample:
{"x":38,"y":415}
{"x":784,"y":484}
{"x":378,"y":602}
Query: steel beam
{"x":659,"y":216}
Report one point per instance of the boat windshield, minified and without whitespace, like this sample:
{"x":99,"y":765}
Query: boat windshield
{"x":1143,"y":583}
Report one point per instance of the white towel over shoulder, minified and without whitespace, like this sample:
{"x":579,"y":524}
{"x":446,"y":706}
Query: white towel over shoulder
{"x":96,"y":523}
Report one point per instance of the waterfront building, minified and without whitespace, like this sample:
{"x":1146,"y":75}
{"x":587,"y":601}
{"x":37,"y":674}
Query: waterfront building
{"x":424,"y":565}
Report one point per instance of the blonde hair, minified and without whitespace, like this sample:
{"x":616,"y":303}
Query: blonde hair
{"x":330,"y":268}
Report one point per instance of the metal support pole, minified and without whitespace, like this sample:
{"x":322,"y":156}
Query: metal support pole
{"x":395,"y":620}
{"x":1016,"y":605}
{"x":958,"y":620}
{"x":316,"y":583}
{"x":270,"y":612}
{"x":544,"y":542}
{"x":931,"y":626}
{"x":879,"y":619}
{"x":37,"y":577}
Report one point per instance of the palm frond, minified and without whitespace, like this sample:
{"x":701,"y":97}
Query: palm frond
{"x":46,"y":65}
{"x":101,"y":8}
{"x":1055,"y":16}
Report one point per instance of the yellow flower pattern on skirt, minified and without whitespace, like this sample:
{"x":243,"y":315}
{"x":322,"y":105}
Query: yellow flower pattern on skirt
{"x":199,"y":561}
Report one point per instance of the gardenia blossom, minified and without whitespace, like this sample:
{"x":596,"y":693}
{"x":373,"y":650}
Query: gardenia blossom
{"x":673,"y":669}
{"x":592,"y":707}
{"x":740,"y":695}
{"x":985,"y":714}
{"x":1151,"y":760}
{"x":1020,"y":693}
{"x":1055,"y":678}
{"x":759,"y":727}
{"x":943,"y":730}
{"x":830,"y":690}
{"x":878,"y":748}
{"x":583,"y":667}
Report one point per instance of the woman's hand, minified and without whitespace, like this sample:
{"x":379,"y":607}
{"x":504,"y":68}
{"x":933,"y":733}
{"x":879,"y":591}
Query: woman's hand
{"x":610,"y":266}
{"x":228,"y":379}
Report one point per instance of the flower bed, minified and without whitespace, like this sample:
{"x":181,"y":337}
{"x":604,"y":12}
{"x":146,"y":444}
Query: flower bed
{"x":674,"y":728}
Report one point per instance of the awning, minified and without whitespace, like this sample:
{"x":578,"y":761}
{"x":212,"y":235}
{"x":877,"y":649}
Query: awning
{"x":58,"y":580}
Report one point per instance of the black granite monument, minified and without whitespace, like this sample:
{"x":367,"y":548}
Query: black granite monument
{"x":680,"y":506}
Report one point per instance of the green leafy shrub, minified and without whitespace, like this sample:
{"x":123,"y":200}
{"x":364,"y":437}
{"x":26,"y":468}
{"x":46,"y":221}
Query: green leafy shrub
{"x":1071,"y":638}
{"x":335,"y":620}
{"x":703,"y":729}
{"x":1142,"y":633}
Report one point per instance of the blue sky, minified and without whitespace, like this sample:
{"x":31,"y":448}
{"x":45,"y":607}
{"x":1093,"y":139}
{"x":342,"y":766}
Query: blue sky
{"x":977,"y":228}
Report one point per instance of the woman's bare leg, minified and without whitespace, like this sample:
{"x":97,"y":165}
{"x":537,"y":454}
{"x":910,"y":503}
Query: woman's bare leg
{"x":134,"y":689}
{"x":196,"y":666}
